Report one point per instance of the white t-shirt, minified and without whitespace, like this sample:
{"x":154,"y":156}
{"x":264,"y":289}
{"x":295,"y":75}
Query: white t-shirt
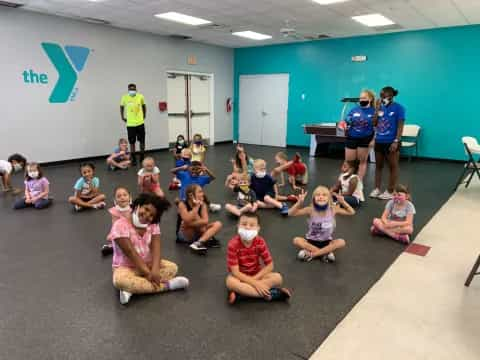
{"x":345,"y":185}
{"x":142,"y":171}
{"x":5,"y":167}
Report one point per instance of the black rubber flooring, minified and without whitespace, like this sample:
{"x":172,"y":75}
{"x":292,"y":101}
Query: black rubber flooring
{"x":57,"y":300}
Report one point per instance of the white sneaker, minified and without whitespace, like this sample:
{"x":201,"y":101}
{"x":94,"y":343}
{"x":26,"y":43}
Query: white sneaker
{"x":99,"y":205}
{"x":375,"y":193}
{"x":385,"y":196}
{"x":304,"y":255}
{"x":125,"y":297}
{"x":215,"y":207}
{"x":178,"y":283}
{"x":331,"y":257}
{"x":77,"y":208}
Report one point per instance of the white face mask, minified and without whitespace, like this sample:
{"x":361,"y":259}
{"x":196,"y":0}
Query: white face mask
{"x":136,"y":221}
{"x":33,"y":174}
{"x":260,"y":174}
{"x":122,"y":209}
{"x":247,"y":235}
{"x":132,"y":92}
{"x":17,"y":167}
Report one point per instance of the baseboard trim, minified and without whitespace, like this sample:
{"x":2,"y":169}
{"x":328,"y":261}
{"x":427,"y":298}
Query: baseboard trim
{"x":93,"y":158}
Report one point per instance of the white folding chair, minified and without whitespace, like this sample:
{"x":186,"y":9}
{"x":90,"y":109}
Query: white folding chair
{"x":470,"y":168}
{"x":411,"y":134}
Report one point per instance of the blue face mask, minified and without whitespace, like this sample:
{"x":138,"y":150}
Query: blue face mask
{"x":198,"y":142}
{"x":186,"y":159}
{"x":320,"y":207}
{"x":132,"y":92}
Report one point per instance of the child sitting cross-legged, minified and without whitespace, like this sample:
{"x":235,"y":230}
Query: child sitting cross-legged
{"x":149,"y":178}
{"x":251,"y":266}
{"x":87,"y":193}
{"x":138,"y":265}
{"x":37,"y":188}
{"x":349,"y":185}
{"x":246,"y":199}
{"x":120,"y":158}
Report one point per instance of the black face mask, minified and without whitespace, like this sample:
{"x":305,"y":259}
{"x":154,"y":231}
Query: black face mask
{"x":364,"y":103}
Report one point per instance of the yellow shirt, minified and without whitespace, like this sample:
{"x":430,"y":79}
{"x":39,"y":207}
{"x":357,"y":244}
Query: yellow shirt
{"x":133,"y":109}
{"x":198,"y":152}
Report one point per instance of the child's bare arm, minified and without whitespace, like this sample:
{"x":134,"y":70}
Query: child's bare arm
{"x":266,"y":270}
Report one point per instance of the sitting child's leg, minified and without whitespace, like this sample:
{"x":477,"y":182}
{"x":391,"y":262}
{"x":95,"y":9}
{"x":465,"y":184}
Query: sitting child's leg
{"x":271,"y":202}
{"x":315,"y":251}
{"x":352,"y":201}
{"x":233,"y":209}
{"x":42,"y":203}
{"x":211,"y":230}
{"x":129,"y":280}
{"x":159,"y":192}
{"x":397,"y":233}
{"x":21,"y":204}
{"x":100,"y":198}
{"x":271,"y":280}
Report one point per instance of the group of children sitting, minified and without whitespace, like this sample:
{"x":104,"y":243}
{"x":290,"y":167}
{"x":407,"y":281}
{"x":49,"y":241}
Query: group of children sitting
{"x":134,"y":238}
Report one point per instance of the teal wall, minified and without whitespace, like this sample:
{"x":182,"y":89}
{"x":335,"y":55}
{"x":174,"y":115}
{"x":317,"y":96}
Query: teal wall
{"x":436,"y":71}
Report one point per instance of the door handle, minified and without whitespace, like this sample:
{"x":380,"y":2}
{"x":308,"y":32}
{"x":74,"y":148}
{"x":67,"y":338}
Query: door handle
{"x":264,"y":113}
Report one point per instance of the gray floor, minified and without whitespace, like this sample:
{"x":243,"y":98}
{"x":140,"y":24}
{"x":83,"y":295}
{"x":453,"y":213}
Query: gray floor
{"x":57,"y":300}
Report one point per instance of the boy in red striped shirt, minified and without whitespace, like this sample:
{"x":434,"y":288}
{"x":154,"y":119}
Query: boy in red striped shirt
{"x":248,"y":277}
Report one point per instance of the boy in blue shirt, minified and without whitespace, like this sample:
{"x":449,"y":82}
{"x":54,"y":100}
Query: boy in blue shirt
{"x":195,"y":173}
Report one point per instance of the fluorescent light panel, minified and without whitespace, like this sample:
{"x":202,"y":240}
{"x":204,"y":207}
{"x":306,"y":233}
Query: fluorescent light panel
{"x":373,"y":20}
{"x":252,"y":35}
{"x":328,"y":2}
{"x":182,"y":18}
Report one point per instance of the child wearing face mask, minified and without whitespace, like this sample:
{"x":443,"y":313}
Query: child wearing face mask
{"x":185,"y":159}
{"x":198,"y":148}
{"x":149,"y":178}
{"x":319,"y":241}
{"x":195,"y":228}
{"x":36,"y":189}
{"x":264,"y":187}
{"x":349,"y":185}
{"x":87,"y":194}
{"x":179,"y":146}
{"x":251,"y":266}
{"x":246,"y":198}
{"x":138,"y":267}
{"x":120,"y":158}
{"x":397,"y":218}
{"x":122,"y":209}
{"x":15,"y":163}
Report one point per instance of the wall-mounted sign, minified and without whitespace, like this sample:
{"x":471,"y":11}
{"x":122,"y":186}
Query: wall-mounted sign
{"x":359,"y":58}
{"x":192,"y":60}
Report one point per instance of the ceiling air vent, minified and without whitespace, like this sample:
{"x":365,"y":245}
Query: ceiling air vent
{"x":95,"y":21}
{"x":10,"y":4}
{"x":179,"y":37}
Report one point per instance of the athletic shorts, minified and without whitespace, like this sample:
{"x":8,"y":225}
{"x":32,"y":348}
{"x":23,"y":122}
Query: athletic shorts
{"x":354,"y":143}
{"x":181,"y":237}
{"x":384,"y":148}
{"x":319,"y":244}
{"x":136,"y":133}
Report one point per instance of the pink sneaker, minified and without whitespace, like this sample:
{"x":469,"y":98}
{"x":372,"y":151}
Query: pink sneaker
{"x":404,"y":238}
{"x":375,"y":231}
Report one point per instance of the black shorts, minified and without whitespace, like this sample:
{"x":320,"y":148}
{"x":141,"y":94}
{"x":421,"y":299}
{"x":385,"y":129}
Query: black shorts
{"x":363,"y":142}
{"x":319,"y":244}
{"x":136,"y":133}
{"x":384,"y":148}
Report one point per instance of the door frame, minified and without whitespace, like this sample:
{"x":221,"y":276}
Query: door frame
{"x":288,"y":98}
{"x":212,"y":96}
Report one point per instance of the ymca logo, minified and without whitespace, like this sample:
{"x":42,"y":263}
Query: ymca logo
{"x":68,"y":62}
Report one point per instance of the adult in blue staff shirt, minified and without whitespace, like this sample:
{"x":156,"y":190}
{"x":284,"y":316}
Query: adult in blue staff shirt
{"x":360,"y":130}
{"x":391,"y":117}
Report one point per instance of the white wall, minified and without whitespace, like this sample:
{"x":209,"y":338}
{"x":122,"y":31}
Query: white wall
{"x":91,"y":124}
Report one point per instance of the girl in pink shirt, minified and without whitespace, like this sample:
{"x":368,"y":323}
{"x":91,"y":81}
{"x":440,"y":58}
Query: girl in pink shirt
{"x":122,"y":209}
{"x":138,"y":267}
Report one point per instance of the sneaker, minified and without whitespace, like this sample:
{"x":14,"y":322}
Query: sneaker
{"x":173,"y":186}
{"x":385,"y":196}
{"x":107,"y":249}
{"x":331,"y":257}
{"x":77,"y":208}
{"x":100,"y":205}
{"x":232,"y":297}
{"x":178,"y":283}
{"x":280,"y":294}
{"x":404,"y":238}
{"x":215,"y":207}
{"x":304,"y":255}
{"x":212,"y":243}
{"x":125,"y":297}
{"x":199,"y":247}
{"x":284,"y":209}
{"x":375,"y":193}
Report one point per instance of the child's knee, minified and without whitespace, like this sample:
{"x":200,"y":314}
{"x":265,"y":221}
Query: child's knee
{"x":217,"y":225}
{"x":377,"y":222}
{"x":297,"y":241}
{"x":72,"y":199}
{"x":340,"y":243}
{"x":230,"y":282}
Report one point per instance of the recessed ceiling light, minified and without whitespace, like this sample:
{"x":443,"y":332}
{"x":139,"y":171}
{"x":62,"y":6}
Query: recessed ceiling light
{"x":252,"y":35}
{"x":182,"y":18}
{"x":373,"y":20}
{"x":328,"y":2}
